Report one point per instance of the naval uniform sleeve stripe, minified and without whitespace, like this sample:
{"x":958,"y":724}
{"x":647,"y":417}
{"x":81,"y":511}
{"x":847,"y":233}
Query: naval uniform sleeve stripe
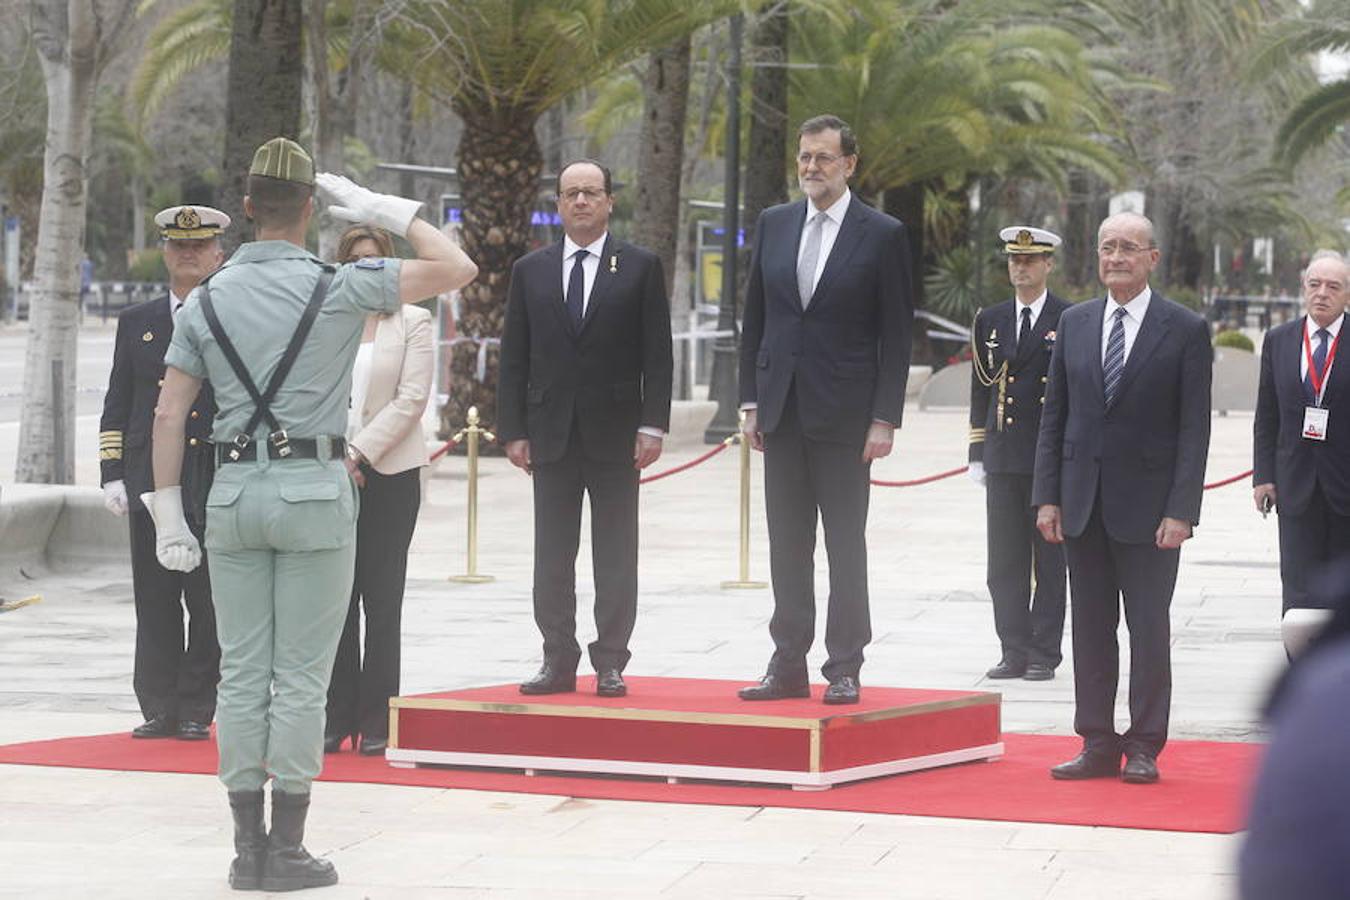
{"x":110,"y":454}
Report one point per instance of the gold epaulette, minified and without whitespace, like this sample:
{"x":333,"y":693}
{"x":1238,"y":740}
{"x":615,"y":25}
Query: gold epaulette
{"x":109,"y":445}
{"x":977,"y":435}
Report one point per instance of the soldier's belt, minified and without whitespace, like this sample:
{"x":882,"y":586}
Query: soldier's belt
{"x":301,"y":448}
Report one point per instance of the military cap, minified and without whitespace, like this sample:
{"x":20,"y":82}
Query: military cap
{"x":283,"y":159}
{"x":1019,"y":240}
{"x":185,"y":223}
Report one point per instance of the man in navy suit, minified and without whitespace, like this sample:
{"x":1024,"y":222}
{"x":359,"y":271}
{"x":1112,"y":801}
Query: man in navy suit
{"x":583,"y":402}
{"x":176,"y":668}
{"x":825,"y":352}
{"x":1011,"y":344}
{"x":1301,"y":436}
{"x":1120,"y":466}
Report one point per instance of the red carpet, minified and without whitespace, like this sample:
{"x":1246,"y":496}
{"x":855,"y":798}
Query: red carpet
{"x":1203,"y":789}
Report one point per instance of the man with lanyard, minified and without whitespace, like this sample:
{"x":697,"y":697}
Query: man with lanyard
{"x":276,"y":332}
{"x":174,"y":679}
{"x":1301,"y":436}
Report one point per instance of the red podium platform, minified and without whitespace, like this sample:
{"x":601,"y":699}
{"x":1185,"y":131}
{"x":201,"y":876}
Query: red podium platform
{"x":683,"y":728}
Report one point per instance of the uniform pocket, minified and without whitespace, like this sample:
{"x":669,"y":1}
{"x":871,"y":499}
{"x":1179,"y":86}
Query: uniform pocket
{"x":315,"y":513}
{"x":222,"y":516}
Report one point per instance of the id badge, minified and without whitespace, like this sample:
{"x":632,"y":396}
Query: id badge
{"x":1315,"y":423}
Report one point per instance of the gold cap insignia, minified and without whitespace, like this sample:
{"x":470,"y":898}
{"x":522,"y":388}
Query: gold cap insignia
{"x":1023,"y":238}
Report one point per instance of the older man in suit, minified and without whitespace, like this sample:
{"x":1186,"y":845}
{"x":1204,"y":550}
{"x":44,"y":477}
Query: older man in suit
{"x":583,"y":401}
{"x":824,"y":360}
{"x":1120,"y":465}
{"x":1302,"y":432}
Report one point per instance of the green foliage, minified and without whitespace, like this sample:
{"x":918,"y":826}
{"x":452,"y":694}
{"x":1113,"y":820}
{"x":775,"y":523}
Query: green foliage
{"x":148,"y":265}
{"x":185,"y":41}
{"x":962,"y":282}
{"x":1188,"y":297}
{"x":1235,"y":340}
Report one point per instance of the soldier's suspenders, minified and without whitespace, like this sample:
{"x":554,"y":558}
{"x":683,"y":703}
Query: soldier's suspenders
{"x":263,"y":401}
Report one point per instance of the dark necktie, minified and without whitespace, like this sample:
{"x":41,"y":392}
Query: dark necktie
{"x":1025,"y":331}
{"x":1319,"y":362}
{"x":576,"y":289}
{"x":1113,"y":364}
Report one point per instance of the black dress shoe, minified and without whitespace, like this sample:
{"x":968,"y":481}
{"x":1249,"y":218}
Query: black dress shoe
{"x":775,"y":687}
{"x":189,"y":730}
{"x":609,"y":683}
{"x":1088,"y":764}
{"x":1006,"y":669}
{"x":332,"y":743}
{"x":843,"y":689}
{"x":1038,"y":672}
{"x":550,"y":680}
{"x":1140,"y":768}
{"x":373,"y":746}
{"x":156,"y":727}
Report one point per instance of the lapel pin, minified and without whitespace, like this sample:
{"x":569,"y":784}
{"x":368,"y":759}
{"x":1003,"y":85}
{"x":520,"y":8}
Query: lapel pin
{"x":148,"y":336}
{"x":613,"y":264}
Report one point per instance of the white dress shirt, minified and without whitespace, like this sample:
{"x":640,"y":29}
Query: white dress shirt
{"x":175,"y":303}
{"x":829,"y":230}
{"x":1134,"y":317}
{"x":1310,"y":328}
{"x":589,"y":266}
{"x":1036,"y":306}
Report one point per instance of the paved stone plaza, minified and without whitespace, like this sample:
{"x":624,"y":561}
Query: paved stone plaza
{"x":67,"y":671}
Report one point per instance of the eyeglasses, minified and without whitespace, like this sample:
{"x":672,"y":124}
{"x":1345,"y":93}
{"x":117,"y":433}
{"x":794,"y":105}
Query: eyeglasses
{"x":1123,"y":248}
{"x":592,"y":194}
{"x":821,"y":159}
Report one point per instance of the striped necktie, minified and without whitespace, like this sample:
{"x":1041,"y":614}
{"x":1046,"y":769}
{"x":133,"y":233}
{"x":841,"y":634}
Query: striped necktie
{"x":1113,"y":364}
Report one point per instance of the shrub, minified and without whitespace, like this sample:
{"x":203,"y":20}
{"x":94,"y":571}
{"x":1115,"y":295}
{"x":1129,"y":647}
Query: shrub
{"x":1235,"y":340}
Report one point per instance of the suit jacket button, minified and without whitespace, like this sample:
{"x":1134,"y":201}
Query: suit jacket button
{"x":1042,"y":401}
{"x":192,"y":442}
{"x":1044,"y":379}
{"x":1010,"y":421}
{"x":1012,"y":400}
{"x":1011,"y":379}
{"x":195,"y":414}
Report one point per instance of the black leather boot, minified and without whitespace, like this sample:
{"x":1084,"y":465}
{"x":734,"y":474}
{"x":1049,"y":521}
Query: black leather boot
{"x":250,"y":840}
{"x":289,"y":867}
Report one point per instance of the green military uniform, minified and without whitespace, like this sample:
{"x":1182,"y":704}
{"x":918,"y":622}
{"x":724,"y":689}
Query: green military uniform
{"x":280,"y":531}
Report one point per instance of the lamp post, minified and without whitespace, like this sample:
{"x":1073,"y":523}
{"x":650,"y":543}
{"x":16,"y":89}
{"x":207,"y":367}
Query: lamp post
{"x":723,"y":387}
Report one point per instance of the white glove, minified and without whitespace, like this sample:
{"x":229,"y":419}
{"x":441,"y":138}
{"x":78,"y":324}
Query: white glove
{"x":975,"y":472}
{"x":354,"y":203}
{"x":176,"y":547}
{"x":115,"y":497}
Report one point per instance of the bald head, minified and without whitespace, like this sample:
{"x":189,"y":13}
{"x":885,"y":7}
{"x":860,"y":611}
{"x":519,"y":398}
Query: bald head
{"x":1326,"y":288}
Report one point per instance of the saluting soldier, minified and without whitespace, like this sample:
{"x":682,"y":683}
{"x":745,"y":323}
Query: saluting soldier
{"x":1011,"y":344}
{"x":175,"y":683}
{"x":276,"y":331}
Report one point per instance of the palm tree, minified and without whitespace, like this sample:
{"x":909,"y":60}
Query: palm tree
{"x":499,"y":65}
{"x":1322,"y":113}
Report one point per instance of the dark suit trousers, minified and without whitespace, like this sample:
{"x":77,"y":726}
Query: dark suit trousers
{"x":359,"y":692}
{"x":804,"y":478}
{"x":1308,"y":542}
{"x":558,"y":490}
{"x":171,"y":679}
{"x":1102,"y":571}
{"x":1029,"y":623}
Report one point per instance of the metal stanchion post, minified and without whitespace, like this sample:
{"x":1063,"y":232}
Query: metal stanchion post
{"x":744,"y":582}
{"x":472,"y":431}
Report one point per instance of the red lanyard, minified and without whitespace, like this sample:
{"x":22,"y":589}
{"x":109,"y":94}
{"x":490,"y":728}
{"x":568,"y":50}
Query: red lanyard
{"x":1317,"y":378}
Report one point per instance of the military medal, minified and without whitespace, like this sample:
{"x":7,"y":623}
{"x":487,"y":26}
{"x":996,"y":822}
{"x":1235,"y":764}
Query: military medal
{"x":613,"y":264}
{"x":148,"y":337}
{"x":992,"y":345}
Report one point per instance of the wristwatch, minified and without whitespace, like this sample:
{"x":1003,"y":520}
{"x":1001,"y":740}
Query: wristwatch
{"x":355,"y":455}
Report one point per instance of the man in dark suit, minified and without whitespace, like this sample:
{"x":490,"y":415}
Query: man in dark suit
{"x":583,"y":401}
{"x":824,"y":359}
{"x":1010,"y":347}
{"x":175,"y":683}
{"x":1301,"y":436}
{"x":1120,"y":466}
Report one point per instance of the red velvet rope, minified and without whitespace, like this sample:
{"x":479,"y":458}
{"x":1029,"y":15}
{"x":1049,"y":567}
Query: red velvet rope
{"x":1218,"y":484}
{"x":689,"y":465}
{"x":918,"y":481}
{"x":445,"y":448}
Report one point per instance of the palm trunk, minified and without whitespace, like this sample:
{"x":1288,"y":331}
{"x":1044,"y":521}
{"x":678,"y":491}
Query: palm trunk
{"x":70,"y":66}
{"x":765,"y":169}
{"x":499,"y":165}
{"x":656,"y":214}
{"x":263,"y":94}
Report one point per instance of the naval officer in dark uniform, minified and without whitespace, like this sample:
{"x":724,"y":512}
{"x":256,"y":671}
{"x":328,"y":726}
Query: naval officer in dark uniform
{"x":1010,"y":349}
{"x":175,"y":682}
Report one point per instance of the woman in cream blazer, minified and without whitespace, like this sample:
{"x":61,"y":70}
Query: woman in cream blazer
{"x":390,"y":386}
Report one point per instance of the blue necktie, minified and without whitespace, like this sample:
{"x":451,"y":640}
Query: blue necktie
{"x":576,"y":289}
{"x":1319,"y":362}
{"x":1114,"y":362}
